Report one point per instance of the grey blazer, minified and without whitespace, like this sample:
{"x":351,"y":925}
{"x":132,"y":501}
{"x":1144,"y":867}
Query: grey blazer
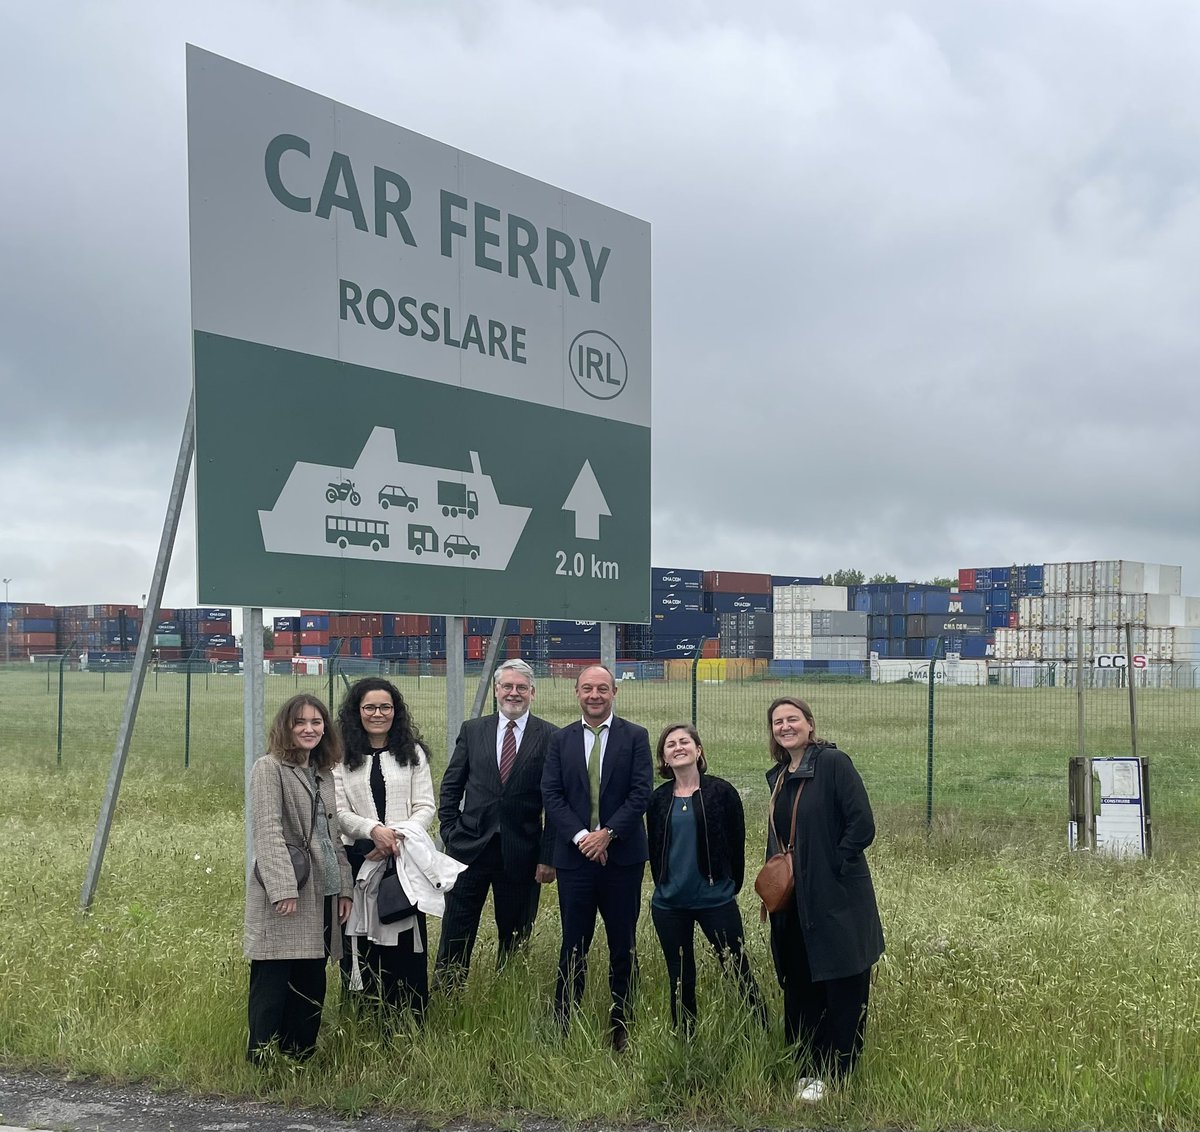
{"x":280,"y":812}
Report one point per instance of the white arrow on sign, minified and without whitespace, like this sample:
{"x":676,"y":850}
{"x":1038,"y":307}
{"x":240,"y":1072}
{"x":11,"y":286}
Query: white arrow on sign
{"x":588,"y":502}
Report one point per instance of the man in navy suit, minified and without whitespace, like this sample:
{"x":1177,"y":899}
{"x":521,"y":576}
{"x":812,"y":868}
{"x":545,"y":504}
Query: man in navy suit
{"x":490,"y":814}
{"x":595,"y":789}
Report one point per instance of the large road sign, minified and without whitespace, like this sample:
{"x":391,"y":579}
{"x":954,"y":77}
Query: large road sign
{"x":422,"y":380}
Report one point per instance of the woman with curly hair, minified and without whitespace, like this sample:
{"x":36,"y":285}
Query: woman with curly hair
{"x":289,"y":921}
{"x":384,"y":794}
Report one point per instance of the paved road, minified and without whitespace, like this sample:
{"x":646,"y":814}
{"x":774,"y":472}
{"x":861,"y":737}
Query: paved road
{"x":33,"y":1101}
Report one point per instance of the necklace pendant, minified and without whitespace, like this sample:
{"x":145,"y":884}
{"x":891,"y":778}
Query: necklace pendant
{"x":685,"y":807}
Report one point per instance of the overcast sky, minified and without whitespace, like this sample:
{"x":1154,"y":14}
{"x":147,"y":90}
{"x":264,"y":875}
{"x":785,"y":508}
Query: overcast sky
{"x":926,"y":286}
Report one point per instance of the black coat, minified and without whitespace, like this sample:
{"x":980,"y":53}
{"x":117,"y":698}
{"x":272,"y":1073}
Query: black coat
{"x":720,"y":831}
{"x":474,"y":806}
{"x":835,"y":900}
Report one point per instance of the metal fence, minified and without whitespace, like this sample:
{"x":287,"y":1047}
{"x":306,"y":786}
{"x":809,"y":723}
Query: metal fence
{"x":985,"y":762}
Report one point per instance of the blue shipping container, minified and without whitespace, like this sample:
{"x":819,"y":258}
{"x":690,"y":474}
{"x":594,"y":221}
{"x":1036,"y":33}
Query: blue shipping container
{"x":676,"y":601}
{"x":737,"y":603}
{"x":782,"y":580}
{"x":669,"y":578}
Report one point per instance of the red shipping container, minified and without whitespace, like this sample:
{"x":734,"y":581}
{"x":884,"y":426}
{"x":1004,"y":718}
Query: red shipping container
{"x":223,"y":654}
{"x":39,"y":642}
{"x":366,"y":646}
{"x":712,"y":648}
{"x":729,"y":582}
{"x":207,"y":628}
{"x":512,"y":644}
{"x":1014,"y":620}
{"x":966,"y":579}
{"x":314,"y":613}
{"x":314,"y":637}
{"x":281,"y":650}
{"x":475,"y":648}
{"x":527,"y":627}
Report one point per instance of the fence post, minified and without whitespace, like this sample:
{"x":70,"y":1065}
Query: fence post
{"x":61,"y":661}
{"x":187,"y":711}
{"x":695,"y":677}
{"x":937,"y":648}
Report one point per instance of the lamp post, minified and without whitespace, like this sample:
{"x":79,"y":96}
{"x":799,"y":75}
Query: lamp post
{"x":7,"y":622}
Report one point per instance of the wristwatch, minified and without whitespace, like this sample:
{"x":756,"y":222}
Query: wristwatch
{"x":612,"y":833}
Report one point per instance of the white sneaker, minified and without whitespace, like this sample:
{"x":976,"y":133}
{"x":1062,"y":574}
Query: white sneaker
{"x":810,"y":1090}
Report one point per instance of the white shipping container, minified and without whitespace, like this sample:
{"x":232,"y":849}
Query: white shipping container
{"x":820,"y":648}
{"x":838,"y":623}
{"x":1030,"y":611}
{"x":1006,"y":644}
{"x":1055,"y":576}
{"x":1186,"y":644}
{"x":1134,"y":608}
{"x":1081,"y":607}
{"x":1118,"y":576}
{"x":1081,"y":577}
{"x":810,"y":597}
{"x":1164,"y":579}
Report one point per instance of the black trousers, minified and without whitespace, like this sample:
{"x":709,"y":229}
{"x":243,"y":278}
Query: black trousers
{"x":285,"y":1001}
{"x":826,"y":1020}
{"x":722,"y":927}
{"x":514,"y":903}
{"x":615,"y":892}
{"x":396,"y":976}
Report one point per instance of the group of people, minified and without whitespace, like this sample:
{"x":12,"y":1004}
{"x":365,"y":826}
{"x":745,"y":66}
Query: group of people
{"x":340,"y":812}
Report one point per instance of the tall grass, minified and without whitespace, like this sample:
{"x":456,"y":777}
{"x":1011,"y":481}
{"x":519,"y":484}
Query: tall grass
{"x":1023,"y":987}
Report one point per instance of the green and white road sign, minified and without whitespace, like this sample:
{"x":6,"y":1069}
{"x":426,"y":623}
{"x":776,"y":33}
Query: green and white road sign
{"x":422,"y":380}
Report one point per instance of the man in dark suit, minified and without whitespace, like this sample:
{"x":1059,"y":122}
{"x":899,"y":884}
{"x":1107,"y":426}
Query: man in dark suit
{"x":595,"y":789}
{"x":490,"y":812}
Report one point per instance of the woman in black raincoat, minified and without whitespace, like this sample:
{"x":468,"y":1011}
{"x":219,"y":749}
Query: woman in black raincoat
{"x":826,"y":941}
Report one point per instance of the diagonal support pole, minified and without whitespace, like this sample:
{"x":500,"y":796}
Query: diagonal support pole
{"x":137,"y":677}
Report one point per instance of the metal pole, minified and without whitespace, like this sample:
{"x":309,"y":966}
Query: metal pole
{"x":187,"y":711}
{"x":7,"y":623}
{"x":61,"y":661}
{"x":1089,"y":832}
{"x":608,"y":646}
{"x":456,"y":681}
{"x":696,"y":678}
{"x":138,"y":675}
{"x":1133,"y":720}
{"x":929,"y":740}
{"x":253,"y":724}
{"x":489,"y":666}
{"x":1079,"y":717}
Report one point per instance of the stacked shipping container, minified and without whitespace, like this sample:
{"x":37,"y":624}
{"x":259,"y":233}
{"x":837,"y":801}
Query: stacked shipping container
{"x":1095,"y":601}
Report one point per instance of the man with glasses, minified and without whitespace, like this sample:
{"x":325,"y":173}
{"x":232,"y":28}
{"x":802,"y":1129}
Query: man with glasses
{"x":490,"y":813}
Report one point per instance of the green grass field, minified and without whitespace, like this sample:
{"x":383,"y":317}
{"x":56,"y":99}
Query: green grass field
{"x":1023,"y":987}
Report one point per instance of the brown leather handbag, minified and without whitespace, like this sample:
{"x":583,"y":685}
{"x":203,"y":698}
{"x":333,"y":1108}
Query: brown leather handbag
{"x":776,"y":882}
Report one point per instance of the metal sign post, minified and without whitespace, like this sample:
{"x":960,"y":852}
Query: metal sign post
{"x":137,"y":677}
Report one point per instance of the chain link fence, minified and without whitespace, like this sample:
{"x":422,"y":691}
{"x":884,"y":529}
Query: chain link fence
{"x":984,"y":762}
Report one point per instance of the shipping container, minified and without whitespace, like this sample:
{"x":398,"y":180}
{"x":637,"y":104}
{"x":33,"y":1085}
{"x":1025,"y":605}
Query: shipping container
{"x":787,"y":599}
{"x":944,"y":601}
{"x":676,"y":601}
{"x":669,"y":578}
{"x":839,"y":623}
{"x":966,"y":579}
{"x":781,"y":580}
{"x":737,"y":602}
{"x":820,"y":648}
{"x":727,"y":581}
{"x":937,"y":625}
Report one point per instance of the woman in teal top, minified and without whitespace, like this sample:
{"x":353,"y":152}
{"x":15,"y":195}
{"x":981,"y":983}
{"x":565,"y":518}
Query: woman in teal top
{"x":697,"y":834}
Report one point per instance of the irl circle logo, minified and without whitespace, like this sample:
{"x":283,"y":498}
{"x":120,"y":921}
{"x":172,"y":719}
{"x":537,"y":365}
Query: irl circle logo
{"x":598,"y":365}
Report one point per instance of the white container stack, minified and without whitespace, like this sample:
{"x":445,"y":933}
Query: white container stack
{"x":814,"y":623}
{"x":1105,"y":596}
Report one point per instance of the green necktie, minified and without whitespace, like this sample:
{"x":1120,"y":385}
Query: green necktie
{"x":594,"y":775}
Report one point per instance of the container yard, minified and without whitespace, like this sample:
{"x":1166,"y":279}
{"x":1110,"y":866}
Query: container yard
{"x":791,"y":624}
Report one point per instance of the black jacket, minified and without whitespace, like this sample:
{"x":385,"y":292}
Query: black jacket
{"x":835,"y":900}
{"x":474,"y":806}
{"x":720,"y":831}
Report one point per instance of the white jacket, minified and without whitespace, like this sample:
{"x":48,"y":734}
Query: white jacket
{"x":425,"y":875}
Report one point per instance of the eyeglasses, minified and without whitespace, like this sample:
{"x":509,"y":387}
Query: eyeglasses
{"x":374,"y":709}
{"x":506,"y":688}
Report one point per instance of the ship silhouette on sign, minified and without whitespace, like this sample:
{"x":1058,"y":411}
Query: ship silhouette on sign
{"x":440,"y":517}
